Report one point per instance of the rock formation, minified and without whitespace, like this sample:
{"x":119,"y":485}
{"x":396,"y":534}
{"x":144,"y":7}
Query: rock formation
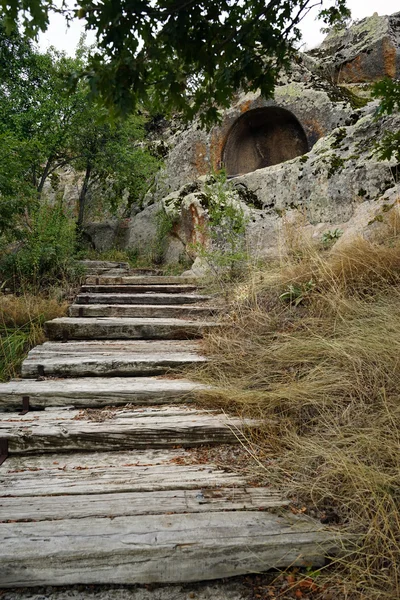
{"x":307,"y":154}
{"x":365,"y":52}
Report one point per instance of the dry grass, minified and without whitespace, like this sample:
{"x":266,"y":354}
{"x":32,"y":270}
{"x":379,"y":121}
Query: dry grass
{"x":21,"y":328}
{"x":321,"y":366}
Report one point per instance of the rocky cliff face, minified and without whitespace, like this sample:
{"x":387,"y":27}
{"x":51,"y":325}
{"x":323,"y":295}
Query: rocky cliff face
{"x":366,"y":52}
{"x":306,"y":155}
{"x":303,"y":96}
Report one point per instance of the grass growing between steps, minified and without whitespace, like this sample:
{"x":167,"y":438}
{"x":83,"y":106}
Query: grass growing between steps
{"x":21,"y":328}
{"x":312,"y":347}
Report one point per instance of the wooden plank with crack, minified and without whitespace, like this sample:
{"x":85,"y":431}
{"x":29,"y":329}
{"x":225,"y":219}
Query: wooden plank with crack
{"x":96,"y":392}
{"x":143,"y":280}
{"x":158,"y":548}
{"x":143,"y":310}
{"x":112,"y":365}
{"x":125,"y":328}
{"x":111,"y":480}
{"x":139,"y":288}
{"x":108,"y":347}
{"x":111,"y":472}
{"x":72,"y":431}
{"x":152,"y":298}
{"x":43,"y":508}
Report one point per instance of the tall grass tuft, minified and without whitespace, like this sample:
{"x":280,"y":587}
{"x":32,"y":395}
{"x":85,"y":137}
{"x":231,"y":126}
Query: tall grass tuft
{"x":311,"y":346}
{"x":21,"y":328}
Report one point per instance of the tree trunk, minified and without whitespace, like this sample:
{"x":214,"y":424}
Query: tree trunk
{"x":45,"y":174}
{"x":82,"y":195}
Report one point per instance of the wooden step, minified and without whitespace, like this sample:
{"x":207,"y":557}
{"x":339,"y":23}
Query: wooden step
{"x":148,"y":298}
{"x":103,"y":264}
{"x":159,"y":548}
{"x":71,"y":430}
{"x":138,"y":289}
{"x":124,"y":504}
{"x":72,"y":328}
{"x":143,"y":280}
{"x":122,"y":484}
{"x":117,"y":347}
{"x":142,"y":310}
{"x":95,"y":473}
{"x":96,"y":392}
{"x":88,"y":359}
{"x":108,"y":268}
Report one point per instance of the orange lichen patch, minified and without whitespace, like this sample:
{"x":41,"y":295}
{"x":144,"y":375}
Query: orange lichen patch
{"x":192,"y":228}
{"x":245,"y":106}
{"x":389,"y":58}
{"x":198,"y":233}
{"x":359,"y":70}
{"x":217,"y":143}
{"x":313,"y":129}
{"x":353,"y":72}
{"x":200,"y":158}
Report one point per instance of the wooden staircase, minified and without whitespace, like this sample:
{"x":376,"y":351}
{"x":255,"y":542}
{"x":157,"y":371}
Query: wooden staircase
{"x":98,"y":484}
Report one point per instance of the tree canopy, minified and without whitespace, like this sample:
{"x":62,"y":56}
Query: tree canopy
{"x":44,"y":126}
{"x":182,"y":54}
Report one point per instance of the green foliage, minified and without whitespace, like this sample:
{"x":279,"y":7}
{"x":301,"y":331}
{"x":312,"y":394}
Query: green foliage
{"x":336,"y":165}
{"x":331,"y":236}
{"x":110,"y":154}
{"x":297,"y":293}
{"x":189,"y":56}
{"x":389,"y":146}
{"x":388,"y":91}
{"x":45,"y":256}
{"x":226,"y":228}
{"x":336,"y":16}
{"x":45,"y":125}
{"x":14,"y":345}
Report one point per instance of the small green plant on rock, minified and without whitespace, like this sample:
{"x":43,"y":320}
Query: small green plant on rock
{"x":226,"y":229}
{"x":296,"y":294}
{"x":331,"y":236}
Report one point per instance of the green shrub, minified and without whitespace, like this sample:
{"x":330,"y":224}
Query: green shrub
{"x":45,"y":255}
{"x":226,"y":229}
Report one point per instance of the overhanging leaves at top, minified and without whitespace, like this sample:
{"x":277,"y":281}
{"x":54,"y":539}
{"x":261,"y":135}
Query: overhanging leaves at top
{"x":181,"y":54}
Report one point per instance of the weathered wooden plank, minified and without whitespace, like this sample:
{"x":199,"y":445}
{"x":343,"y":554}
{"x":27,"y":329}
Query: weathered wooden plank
{"x":124,"y":328}
{"x":44,"y":508}
{"x":96,"y":392}
{"x":57,"y":463}
{"x":124,"y":413}
{"x":116,"y":347}
{"x":144,"y":280}
{"x":17,"y":481}
{"x":114,"y":366}
{"x":142,"y":310}
{"x":110,"y":472}
{"x":138,"y":289}
{"x":158,"y":548}
{"x":103,"y":264}
{"x":140,"y":298}
{"x":71,"y":431}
